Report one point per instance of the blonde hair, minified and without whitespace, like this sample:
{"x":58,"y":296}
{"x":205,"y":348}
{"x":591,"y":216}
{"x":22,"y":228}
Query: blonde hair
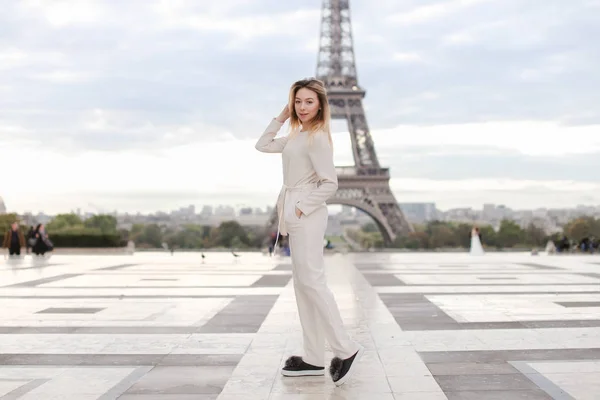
{"x":322,"y":120}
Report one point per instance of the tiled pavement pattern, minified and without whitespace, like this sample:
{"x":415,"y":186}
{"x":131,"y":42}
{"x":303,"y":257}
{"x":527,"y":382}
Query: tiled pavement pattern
{"x":436,"y":326}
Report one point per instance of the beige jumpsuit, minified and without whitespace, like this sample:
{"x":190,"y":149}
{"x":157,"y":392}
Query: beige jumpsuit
{"x":309,"y":179}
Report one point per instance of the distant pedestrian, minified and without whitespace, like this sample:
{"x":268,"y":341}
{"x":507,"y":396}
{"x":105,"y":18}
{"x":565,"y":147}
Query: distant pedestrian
{"x":14,"y":240}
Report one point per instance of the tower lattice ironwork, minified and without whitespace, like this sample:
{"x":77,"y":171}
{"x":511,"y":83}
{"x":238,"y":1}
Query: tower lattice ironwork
{"x":366,"y":184}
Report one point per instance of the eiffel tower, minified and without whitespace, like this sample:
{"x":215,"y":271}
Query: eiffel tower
{"x":366,"y":184}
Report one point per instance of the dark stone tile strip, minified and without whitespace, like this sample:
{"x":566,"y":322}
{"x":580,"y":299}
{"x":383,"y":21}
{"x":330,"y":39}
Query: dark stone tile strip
{"x":498,"y":395}
{"x":159,"y":279}
{"x":211,"y":296}
{"x":576,"y":323}
{"x":155,"y":287}
{"x":414,"y":312}
{"x":589,"y":274}
{"x":162,"y":396}
{"x":186,"y":272}
{"x":145,"y":330}
{"x":377,"y":278}
{"x":125,"y":383}
{"x":283,"y":267}
{"x":540,"y":266}
{"x":496,"y":278}
{"x":500,"y":356}
{"x":100,"y":330}
{"x":490,"y":374}
{"x":383,"y":279}
{"x":43,"y":280}
{"x":115,"y":267}
{"x":69,"y":310}
{"x":580,"y":323}
{"x":571,"y":304}
{"x":471,"y":368}
{"x":415,"y":309}
{"x":272,"y":281}
{"x":122,"y":359}
{"x":492,"y":292}
{"x":244,"y":314}
{"x":541,"y":381}
{"x":509,"y":272}
{"x":23,"y":390}
{"x":175,"y":381}
{"x":487,"y":383}
{"x":155,"y":296}
{"x":486,"y":284}
{"x":370,"y":266}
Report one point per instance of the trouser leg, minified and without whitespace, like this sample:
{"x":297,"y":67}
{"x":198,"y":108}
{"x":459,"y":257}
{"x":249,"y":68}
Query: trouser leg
{"x":319,"y":313}
{"x":313,"y":337}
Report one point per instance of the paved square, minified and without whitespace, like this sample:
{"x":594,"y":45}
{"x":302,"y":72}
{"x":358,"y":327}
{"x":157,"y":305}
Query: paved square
{"x":436,"y":326}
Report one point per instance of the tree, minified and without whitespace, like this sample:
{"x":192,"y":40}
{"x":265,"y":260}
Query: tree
{"x":488,"y":236}
{"x":535,"y":235}
{"x":442,"y":235}
{"x":105,"y":223}
{"x":372,"y":240}
{"x":414,"y":240}
{"x":124,"y":235}
{"x":236,"y":242}
{"x":190,"y":237}
{"x":509,"y":234}
{"x":62,"y":221}
{"x":582,"y":227}
{"x":463,"y":233}
{"x":369,"y":227}
{"x":152,"y":236}
{"x":228,"y":230}
{"x":137,"y":230}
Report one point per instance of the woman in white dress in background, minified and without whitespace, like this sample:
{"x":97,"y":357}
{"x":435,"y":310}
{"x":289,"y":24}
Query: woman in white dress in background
{"x":476,"y":247}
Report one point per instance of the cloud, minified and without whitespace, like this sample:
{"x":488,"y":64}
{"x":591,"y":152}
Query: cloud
{"x":63,"y":13}
{"x":229,"y":64}
{"x":488,"y":60}
{"x":407,"y":57}
{"x":430,"y":12}
{"x":164,"y":68}
{"x":457,"y":90}
{"x":513,"y":151}
{"x":424,"y":166}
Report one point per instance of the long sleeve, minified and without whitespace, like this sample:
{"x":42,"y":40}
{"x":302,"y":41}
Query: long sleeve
{"x":267,"y":142}
{"x":321,"y":156}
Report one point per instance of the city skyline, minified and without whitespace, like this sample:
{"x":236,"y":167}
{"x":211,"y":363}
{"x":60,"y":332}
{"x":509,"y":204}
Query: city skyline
{"x":155,"y":105}
{"x":551,"y":221}
{"x":238,"y":209}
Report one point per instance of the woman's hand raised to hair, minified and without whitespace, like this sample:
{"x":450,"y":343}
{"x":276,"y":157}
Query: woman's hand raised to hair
{"x":284,"y":115}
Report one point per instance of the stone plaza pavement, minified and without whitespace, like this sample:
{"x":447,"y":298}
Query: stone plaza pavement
{"x":152,"y":326}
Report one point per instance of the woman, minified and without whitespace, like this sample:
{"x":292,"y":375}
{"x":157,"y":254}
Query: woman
{"x":42,"y":242}
{"x":476,"y":248}
{"x":309,"y":179}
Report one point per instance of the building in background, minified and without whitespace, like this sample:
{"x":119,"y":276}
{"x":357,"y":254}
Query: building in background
{"x":419,"y":212}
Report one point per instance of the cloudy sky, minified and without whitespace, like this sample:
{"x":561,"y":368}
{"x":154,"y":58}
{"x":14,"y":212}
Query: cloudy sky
{"x":141,"y":105}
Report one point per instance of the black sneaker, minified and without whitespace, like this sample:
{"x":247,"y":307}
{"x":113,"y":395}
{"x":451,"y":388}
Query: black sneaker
{"x":341,"y":370}
{"x":295,"y":366}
